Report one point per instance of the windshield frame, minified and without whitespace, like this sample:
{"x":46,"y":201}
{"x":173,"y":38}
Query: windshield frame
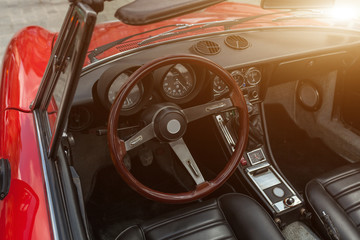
{"x":248,"y":14}
{"x":63,"y":69}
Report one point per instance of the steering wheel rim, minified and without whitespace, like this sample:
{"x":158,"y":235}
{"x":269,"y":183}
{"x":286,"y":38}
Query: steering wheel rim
{"x":118,"y":148}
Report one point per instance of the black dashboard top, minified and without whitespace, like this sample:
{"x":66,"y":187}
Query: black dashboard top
{"x":266,"y":46}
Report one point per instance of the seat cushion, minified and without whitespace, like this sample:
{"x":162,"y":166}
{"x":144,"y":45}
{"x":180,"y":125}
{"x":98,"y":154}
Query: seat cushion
{"x":232,"y":216}
{"x":337,"y":193}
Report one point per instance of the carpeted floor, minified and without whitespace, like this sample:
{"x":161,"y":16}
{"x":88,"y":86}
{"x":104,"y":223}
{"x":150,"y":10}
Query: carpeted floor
{"x":299,"y":157}
{"x":299,"y":231}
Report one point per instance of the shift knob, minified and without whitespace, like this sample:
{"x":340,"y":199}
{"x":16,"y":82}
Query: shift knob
{"x":289,"y":201}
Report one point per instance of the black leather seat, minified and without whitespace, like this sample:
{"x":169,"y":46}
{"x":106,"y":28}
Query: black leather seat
{"x":232,"y":216}
{"x":337,"y":193}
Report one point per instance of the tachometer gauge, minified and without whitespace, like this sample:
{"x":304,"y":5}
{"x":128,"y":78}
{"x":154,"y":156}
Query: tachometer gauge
{"x":133,"y":97}
{"x":253,"y":76}
{"x":178,"y":82}
{"x":239,"y":77}
{"x":219,"y":86}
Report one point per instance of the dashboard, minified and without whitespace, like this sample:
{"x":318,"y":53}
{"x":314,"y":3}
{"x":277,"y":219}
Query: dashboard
{"x":268,"y":52}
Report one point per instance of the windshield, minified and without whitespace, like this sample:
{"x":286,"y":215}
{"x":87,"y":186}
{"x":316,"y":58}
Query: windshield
{"x":112,"y":36}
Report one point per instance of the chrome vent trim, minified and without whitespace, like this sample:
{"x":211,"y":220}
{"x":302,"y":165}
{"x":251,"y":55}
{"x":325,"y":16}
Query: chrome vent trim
{"x":236,"y":42}
{"x":207,"y":47}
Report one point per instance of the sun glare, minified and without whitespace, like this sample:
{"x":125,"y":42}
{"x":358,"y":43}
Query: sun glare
{"x":343,"y":13}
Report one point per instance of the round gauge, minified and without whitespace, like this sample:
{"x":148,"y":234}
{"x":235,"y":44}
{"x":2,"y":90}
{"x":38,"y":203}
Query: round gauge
{"x":253,"y":76}
{"x":219,"y":86}
{"x":133,"y":97}
{"x":239,"y":77}
{"x":178,"y":82}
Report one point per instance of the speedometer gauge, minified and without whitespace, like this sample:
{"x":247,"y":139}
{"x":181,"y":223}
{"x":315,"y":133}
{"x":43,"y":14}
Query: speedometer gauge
{"x":178,"y":82}
{"x":133,"y":97}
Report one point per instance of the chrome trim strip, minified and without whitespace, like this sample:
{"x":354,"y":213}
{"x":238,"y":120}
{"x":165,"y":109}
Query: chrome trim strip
{"x":257,"y":167}
{"x":226,"y":132}
{"x":215,"y":106}
{"x":46,"y":178}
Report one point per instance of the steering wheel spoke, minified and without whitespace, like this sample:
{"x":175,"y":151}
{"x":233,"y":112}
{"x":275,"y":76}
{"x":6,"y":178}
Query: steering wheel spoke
{"x":144,"y":135}
{"x":203,"y":110}
{"x":183,"y":153}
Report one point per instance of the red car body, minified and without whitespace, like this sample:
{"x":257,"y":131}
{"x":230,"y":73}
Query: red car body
{"x":24,"y":213}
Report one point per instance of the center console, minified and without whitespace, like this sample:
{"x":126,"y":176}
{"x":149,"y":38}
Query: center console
{"x":272,"y":186}
{"x":257,"y":166}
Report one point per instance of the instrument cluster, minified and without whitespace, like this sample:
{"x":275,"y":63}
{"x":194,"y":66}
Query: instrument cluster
{"x":178,"y":83}
{"x":244,"y":77}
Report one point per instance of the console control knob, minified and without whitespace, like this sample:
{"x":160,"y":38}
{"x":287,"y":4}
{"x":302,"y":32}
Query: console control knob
{"x":289,"y":201}
{"x":254,"y":94}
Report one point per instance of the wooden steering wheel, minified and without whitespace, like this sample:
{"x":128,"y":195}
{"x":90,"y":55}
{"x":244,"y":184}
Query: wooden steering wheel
{"x":169,"y":123}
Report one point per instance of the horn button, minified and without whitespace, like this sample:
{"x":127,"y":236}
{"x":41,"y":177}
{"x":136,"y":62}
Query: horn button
{"x":170,"y":124}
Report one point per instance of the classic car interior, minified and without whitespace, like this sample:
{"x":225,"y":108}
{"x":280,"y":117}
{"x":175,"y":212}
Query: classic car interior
{"x":173,"y":116}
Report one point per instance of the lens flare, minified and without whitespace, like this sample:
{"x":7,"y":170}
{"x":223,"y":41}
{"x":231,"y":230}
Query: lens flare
{"x":343,"y":13}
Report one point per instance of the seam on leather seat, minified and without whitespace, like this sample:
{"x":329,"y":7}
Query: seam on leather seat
{"x":244,"y":196}
{"x":180,"y":216}
{"x":347,"y":191}
{"x":253,"y":201}
{"x":340,"y":177}
{"x":330,"y":197}
{"x":198,"y":229}
{"x":224,"y":216}
{"x":133,"y":226}
{"x":352,"y":208}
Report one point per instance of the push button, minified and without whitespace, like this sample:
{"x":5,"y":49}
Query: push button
{"x":278,"y":192}
{"x":243,"y":162}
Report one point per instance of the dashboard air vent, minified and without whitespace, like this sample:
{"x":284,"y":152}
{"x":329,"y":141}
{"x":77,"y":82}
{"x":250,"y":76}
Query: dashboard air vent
{"x":237,"y":42}
{"x":207,"y":47}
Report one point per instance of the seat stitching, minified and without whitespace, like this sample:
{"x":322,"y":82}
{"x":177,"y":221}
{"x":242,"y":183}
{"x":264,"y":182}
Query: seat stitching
{"x":342,"y":176}
{"x":353,"y":208}
{"x":346,"y":191}
{"x":336,"y":203}
{"x":142,"y":232}
{"x":224,"y":216}
{"x":133,"y":226}
{"x":265,"y":212}
{"x":232,"y":237}
{"x":180,"y":216}
{"x":197,"y":229}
